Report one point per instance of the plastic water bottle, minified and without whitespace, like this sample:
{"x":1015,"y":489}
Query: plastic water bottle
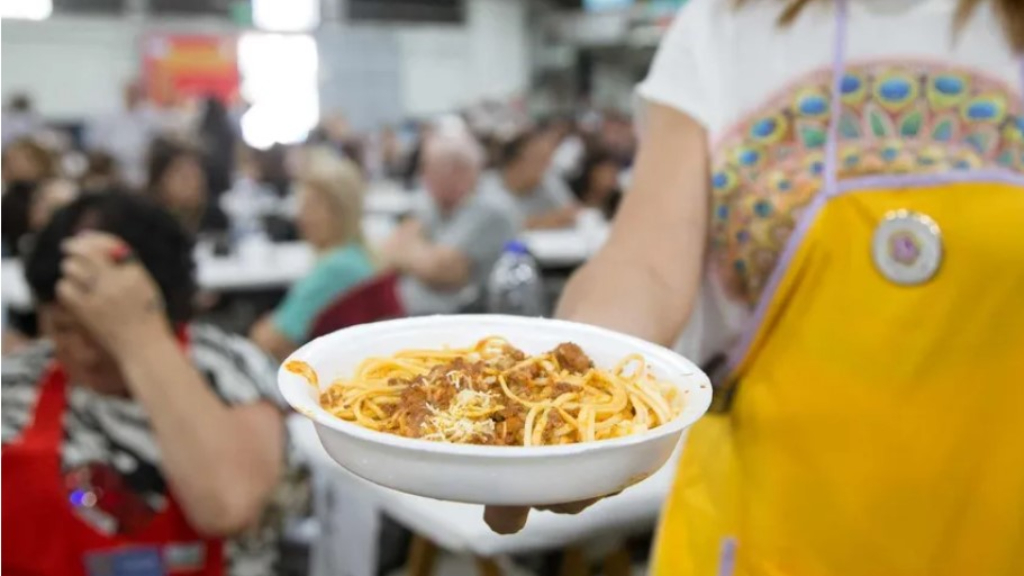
{"x":515,"y":285}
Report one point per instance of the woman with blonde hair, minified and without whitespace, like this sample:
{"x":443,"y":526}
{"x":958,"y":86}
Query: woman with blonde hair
{"x":330,"y":219}
{"x":830,"y":194}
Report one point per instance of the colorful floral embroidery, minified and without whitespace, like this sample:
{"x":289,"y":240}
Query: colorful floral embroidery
{"x":894,"y":119}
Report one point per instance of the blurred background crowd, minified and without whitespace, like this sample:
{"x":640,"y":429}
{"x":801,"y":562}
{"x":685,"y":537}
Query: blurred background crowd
{"x":330,"y":163}
{"x":193,"y":189}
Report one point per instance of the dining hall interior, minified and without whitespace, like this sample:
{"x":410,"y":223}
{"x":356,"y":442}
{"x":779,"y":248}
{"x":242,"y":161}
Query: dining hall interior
{"x":802,"y":216}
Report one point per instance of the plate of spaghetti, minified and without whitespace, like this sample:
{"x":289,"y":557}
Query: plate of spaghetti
{"x":494,"y":409}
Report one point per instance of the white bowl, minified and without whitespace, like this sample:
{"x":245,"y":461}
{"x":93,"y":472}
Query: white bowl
{"x":500,"y":475}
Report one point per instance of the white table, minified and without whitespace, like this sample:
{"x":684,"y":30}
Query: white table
{"x":256,"y":266}
{"x":14,"y":291}
{"x":460,"y":527}
{"x":564,"y":248}
{"x":262,"y":265}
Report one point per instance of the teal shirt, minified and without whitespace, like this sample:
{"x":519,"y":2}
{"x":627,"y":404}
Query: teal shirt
{"x":335,"y":273}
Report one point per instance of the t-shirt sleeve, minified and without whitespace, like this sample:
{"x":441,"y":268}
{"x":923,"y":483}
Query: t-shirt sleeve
{"x":239,"y":372}
{"x":307,"y":298}
{"x":480,"y":232}
{"x":681,"y":75}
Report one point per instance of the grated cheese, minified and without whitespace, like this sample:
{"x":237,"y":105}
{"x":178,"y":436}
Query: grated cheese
{"x":455,"y":424}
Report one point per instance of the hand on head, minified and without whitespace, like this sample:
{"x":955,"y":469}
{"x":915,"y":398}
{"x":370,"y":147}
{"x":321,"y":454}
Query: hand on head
{"x":109,"y":292}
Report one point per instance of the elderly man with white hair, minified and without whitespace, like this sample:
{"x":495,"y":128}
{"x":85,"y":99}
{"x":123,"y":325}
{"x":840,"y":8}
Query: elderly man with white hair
{"x":447,"y":248}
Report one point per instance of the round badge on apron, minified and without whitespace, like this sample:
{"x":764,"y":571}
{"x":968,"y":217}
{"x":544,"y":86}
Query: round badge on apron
{"x":907,"y":247}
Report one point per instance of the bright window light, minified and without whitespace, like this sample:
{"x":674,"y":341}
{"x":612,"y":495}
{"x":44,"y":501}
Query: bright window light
{"x":286,"y":15}
{"x":279,"y":80}
{"x":26,"y":9}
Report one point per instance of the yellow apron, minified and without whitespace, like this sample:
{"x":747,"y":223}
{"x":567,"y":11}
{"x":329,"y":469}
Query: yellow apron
{"x":877,"y":419}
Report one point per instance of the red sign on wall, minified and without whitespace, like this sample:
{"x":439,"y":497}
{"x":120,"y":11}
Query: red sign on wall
{"x":185,"y":66}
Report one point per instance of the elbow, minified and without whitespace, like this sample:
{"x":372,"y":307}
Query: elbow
{"x":267,"y":338}
{"x":446,"y":274}
{"x":224,"y":516}
{"x":453,"y":282}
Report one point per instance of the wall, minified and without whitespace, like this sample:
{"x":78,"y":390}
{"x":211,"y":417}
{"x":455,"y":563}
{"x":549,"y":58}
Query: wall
{"x":71,"y":67}
{"x":74,"y":67}
{"x":444,"y":67}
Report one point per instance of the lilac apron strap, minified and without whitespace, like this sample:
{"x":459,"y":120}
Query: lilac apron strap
{"x":1020,"y":63}
{"x":831,"y":184}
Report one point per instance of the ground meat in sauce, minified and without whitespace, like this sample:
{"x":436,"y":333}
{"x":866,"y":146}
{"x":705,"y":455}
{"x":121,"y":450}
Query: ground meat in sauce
{"x":572,"y":358}
{"x":511,"y":356}
{"x":440,"y":397}
{"x":514,"y":353}
{"x":555,"y":421}
{"x":510,"y":421}
{"x":562,"y":388}
{"x":414,"y":402}
{"x":525,"y":376}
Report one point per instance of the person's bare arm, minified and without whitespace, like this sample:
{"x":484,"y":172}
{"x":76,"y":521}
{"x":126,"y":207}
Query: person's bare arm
{"x":221,"y":462}
{"x":439,"y":267}
{"x":558,"y":218}
{"x":645,"y":279}
{"x":269,"y":339}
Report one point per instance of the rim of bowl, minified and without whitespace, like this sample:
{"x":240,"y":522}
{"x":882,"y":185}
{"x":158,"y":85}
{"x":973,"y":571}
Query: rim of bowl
{"x":293,"y":387}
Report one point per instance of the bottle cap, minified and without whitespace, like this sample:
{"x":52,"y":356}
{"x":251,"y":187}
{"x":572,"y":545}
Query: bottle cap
{"x":516,"y":247}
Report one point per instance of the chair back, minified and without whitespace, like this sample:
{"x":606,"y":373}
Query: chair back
{"x":372,"y":301}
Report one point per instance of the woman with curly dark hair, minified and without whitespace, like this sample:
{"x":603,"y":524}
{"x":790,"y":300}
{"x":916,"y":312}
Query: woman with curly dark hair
{"x":132,"y":435}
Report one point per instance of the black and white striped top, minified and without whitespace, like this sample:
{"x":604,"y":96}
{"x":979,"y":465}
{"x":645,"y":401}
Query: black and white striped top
{"x":115,"y":430}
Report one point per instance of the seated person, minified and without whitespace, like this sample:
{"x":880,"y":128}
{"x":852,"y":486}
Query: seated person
{"x":132,"y":435}
{"x":26,"y":161}
{"x":597,"y":184}
{"x":453,"y":240}
{"x":541,"y":197}
{"x":178,"y":182}
{"x":330,"y":191}
{"x":101,"y":173}
{"x":27,"y":208}
{"x":15,"y":213}
{"x":51,"y":196}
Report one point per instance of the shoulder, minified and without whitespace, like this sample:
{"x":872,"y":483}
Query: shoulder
{"x":334,"y":272}
{"x":707,"y":43}
{"x":681,"y":73}
{"x":238,"y":371}
{"x":20,"y":384}
{"x":491,"y":197}
{"x":496,"y":208}
{"x":351,"y":257}
{"x":708,"y":22}
{"x":25,"y":367}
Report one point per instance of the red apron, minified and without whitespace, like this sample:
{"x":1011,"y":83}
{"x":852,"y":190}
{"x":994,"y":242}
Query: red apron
{"x":42,"y":536}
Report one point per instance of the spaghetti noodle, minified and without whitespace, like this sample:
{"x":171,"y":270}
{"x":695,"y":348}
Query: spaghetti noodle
{"x":493,"y":393}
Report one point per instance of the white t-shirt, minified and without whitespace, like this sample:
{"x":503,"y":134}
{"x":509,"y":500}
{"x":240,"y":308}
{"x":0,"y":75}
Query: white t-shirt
{"x":735,"y":72}
{"x":717,"y":63}
{"x":127,"y":135}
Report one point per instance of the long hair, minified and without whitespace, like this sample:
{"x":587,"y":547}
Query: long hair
{"x":1010,"y":12}
{"x":325,"y":172}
